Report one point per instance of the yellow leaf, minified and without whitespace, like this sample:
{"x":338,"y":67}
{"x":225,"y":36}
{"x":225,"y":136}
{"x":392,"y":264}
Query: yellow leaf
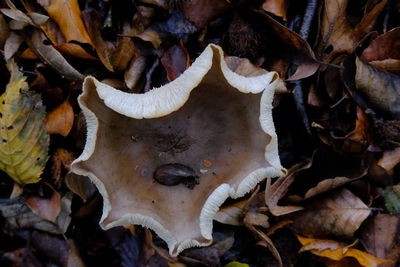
{"x":24,"y":141}
{"x":337,"y":251}
{"x":236,"y":264}
{"x":67,"y":14}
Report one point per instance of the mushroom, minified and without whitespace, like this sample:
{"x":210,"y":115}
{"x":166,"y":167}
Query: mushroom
{"x":210,"y":120}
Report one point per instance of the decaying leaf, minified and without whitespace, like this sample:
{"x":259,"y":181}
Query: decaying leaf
{"x":23,"y":149}
{"x":381,"y":88}
{"x":17,"y":215}
{"x":232,"y":214}
{"x":46,"y":207}
{"x":337,"y":35}
{"x":381,"y":238}
{"x":392,"y":199}
{"x":337,"y":251}
{"x":276,"y":191}
{"x":339,"y":214}
{"x":383,"y":51}
{"x":12,"y":45}
{"x":200,"y":12}
{"x":49,"y":55}
{"x":62,"y":158}
{"x":175,"y":61}
{"x":390,"y":159}
{"x":60,"y":120}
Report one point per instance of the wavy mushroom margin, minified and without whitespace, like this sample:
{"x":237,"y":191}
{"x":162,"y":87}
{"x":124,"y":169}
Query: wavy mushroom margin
{"x":165,"y":100}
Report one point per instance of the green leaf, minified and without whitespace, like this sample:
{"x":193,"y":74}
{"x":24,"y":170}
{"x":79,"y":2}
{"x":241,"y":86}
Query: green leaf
{"x":23,"y":138}
{"x":392,"y":199}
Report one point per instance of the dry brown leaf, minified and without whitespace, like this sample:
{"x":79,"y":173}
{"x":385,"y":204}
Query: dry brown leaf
{"x":60,"y":120}
{"x":267,"y":242}
{"x":175,"y":60}
{"x":276,"y":191}
{"x":12,"y":45}
{"x":67,"y":14}
{"x":62,"y":158}
{"x":200,"y":12}
{"x":337,"y":251}
{"x":381,"y":238}
{"x":338,"y":214}
{"x":276,"y":7}
{"x":329,"y":184}
{"x":81,"y":186}
{"x":390,"y":159}
{"x":93,"y":23}
{"x":47,"y":208}
{"x":232,"y":214}
{"x":49,"y":55}
{"x":290,"y":48}
{"x":255,"y":219}
{"x":337,"y":36}
{"x":384,"y":46}
{"x":380,"y":88}
{"x":134,"y":72}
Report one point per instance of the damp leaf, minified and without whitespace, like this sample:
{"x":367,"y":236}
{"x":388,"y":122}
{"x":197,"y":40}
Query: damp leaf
{"x":24,"y":141}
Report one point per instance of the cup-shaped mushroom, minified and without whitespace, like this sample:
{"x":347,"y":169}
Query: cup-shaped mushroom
{"x":167,"y":159}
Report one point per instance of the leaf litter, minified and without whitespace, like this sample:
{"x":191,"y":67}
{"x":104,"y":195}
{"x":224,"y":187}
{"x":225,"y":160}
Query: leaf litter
{"x":339,"y":200}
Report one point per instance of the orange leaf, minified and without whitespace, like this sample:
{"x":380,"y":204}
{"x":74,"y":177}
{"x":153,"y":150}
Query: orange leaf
{"x":337,"y":251}
{"x":60,"y":119}
{"x":67,"y":14}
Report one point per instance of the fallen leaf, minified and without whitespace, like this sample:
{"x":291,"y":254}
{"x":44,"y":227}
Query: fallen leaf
{"x":60,"y":120}
{"x":12,"y":45}
{"x":337,"y":35}
{"x":339,"y":214}
{"x":54,"y":247}
{"x":392,"y":199}
{"x":104,"y":49}
{"x":67,"y":14}
{"x":46,"y":207}
{"x":380,"y":237}
{"x":232,"y":214}
{"x":24,"y":139}
{"x":200,"y":12}
{"x":236,"y":264}
{"x":287,"y":46}
{"x":337,"y":251}
{"x":4,"y":31}
{"x":384,"y":46}
{"x":276,"y":191}
{"x":380,"y":88}
{"x":135,"y":72}
{"x":276,"y":7}
{"x":17,"y":215}
{"x":49,"y":55}
{"x":255,"y":219}
{"x":175,"y":60}
{"x":390,"y":159}
{"x":62,"y":158}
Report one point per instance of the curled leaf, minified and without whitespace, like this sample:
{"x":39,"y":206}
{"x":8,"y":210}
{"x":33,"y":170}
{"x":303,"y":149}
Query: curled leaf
{"x":337,"y":251}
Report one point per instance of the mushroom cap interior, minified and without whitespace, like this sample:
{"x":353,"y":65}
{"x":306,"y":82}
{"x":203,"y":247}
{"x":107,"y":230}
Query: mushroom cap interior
{"x":216,"y":132}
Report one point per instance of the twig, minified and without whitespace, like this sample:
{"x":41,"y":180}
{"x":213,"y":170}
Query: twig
{"x":298,"y":90}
